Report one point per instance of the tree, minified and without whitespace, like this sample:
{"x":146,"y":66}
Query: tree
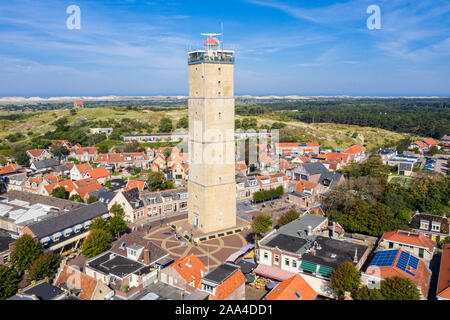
{"x":165,"y":125}
{"x":261,"y":224}
{"x":399,"y":288}
{"x":183,"y":123}
{"x":76,"y":197}
{"x":24,"y":251}
{"x":99,"y":224}
{"x":92,"y":199}
{"x":117,"y":225}
{"x":433,"y":150}
{"x":9,"y":282}
{"x":98,"y":241}
{"x":156,"y":181}
{"x":116,"y":209}
{"x":364,"y":293}
{"x":60,"y":192}
{"x":345,"y":278}
{"x":289,"y":216}
{"x":46,"y":265}
{"x":23,"y":159}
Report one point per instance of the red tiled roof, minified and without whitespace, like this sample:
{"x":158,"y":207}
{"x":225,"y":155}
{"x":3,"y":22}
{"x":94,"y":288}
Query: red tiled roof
{"x":121,"y":157}
{"x":83,"y":167}
{"x":336,"y":156}
{"x":303,"y":184}
{"x":35,"y":152}
{"x":421,"y":144}
{"x":79,"y":103}
{"x":287,"y":290}
{"x":189,"y":268}
{"x":78,"y":280}
{"x":7,"y":169}
{"x":68,"y":185}
{"x":81,"y":151}
{"x":430,"y":142}
{"x":443,"y":290}
{"x":230,"y":285}
{"x":98,"y":173}
{"x":421,"y":275}
{"x":285,"y":165}
{"x":135,"y":184}
{"x":355,"y":149}
{"x":413,"y":239}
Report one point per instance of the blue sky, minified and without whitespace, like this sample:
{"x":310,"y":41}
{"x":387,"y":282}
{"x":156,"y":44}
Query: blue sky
{"x":319,"y":47}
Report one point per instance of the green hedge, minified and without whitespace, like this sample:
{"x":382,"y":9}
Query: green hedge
{"x":268,"y":194}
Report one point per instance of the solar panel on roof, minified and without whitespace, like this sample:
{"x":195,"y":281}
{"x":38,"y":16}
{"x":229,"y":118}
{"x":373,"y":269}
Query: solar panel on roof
{"x":384,"y":258}
{"x":413,"y":262}
{"x":403,"y":261}
{"x":409,"y":272}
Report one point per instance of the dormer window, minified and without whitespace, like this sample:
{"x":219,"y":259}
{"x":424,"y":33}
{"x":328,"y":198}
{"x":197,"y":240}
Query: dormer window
{"x":435,"y":226}
{"x":424,"y":224}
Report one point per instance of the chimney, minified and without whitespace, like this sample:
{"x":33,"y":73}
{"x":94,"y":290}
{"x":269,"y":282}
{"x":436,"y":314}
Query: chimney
{"x":146,"y":257}
{"x":355,"y":259}
{"x":334,"y":228}
{"x":309,"y":230}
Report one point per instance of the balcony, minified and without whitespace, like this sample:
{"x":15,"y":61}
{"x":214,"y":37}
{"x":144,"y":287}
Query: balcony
{"x":216,"y":57}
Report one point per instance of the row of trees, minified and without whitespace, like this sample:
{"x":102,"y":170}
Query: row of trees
{"x":268,"y":194}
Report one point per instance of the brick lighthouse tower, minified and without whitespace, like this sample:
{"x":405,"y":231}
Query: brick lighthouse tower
{"x":211,"y":185}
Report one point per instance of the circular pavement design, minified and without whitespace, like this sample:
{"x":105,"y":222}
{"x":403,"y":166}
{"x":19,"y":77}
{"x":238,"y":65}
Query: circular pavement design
{"x":218,"y":249}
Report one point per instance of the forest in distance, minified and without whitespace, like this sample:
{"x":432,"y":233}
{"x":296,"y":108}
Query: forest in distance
{"x":423,"y":117}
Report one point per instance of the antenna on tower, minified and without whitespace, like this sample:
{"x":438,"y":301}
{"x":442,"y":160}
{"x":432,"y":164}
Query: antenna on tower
{"x":221,"y":31}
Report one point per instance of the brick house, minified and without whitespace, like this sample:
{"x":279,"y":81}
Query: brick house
{"x":306,"y":194}
{"x":225,"y":282}
{"x":411,"y":242}
{"x":397,"y":262}
{"x":273,"y":181}
{"x":83,"y":154}
{"x":185,"y":273}
{"x":79,"y":284}
{"x":246,"y":186}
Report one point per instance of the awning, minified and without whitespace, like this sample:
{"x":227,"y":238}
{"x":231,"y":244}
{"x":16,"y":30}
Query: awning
{"x":247,"y":248}
{"x":325,"y":271}
{"x":233,"y":257}
{"x":308,"y":266}
{"x":273,"y":273}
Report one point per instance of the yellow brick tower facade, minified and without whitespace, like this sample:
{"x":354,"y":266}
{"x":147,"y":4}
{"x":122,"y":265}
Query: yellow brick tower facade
{"x":211,"y":185}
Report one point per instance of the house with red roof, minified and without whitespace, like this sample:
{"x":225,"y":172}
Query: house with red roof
{"x":185,"y":273}
{"x":60,"y":143}
{"x":159,"y":162}
{"x":78,"y":104}
{"x":123,"y":160}
{"x":79,"y":284}
{"x":294,"y":288}
{"x":79,"y":170}
{"x":141,"y":185}
{"x":397,"y":263}
{"x":80,"y":187}
{"x":298,"y":148}
{"x":179,"y":171}
{"x":356,"y":153}
{"x":38,"y":154}
{"x":412,"y":242}
{"x":225,"y":282}
{"x":424,"y":145}
{"x":273,"y":181}
{"x":443,"y":287}
{"x":306,"y":194}
{"x":83,"y":154}
{"x":101,"y":174}
{"x":241,"y":167}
